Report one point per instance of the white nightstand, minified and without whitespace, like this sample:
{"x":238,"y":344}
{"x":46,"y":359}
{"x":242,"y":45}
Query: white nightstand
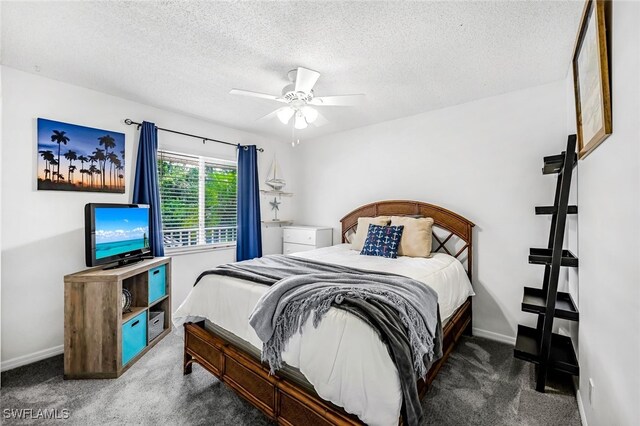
{"x":302,"y":238}
{"x":272,"y":236}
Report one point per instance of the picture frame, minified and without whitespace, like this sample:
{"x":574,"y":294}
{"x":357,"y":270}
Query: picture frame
{"x":590,"y":64}
{"x":72,"y":157}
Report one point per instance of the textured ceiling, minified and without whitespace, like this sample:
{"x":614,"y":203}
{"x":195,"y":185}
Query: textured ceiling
{"x":407,"y":57}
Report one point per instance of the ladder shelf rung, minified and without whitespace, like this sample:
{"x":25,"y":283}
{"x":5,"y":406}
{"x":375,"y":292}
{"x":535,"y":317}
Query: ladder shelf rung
{"x":554,"y":209}
{"x":542,"y":256}
{"x":563,"y":356}
{"x":534,"y":300}
{"x":554,"y":163}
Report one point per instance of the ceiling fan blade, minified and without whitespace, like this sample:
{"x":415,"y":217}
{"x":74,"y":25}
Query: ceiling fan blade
{"x":320,"y":120}
{"x":272,"y":114}
{"x":338,"y":100}
{"x":249,"y":93}
{"x":306,"y":79}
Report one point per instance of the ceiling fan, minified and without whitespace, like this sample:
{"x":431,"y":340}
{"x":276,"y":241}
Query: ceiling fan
{"x":301,"y":100}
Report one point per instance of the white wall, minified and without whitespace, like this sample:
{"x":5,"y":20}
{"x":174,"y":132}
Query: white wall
{"x":609,"y":241}
{"x":1,"y":144}
{"x":43,"y":230}
{"x":481,"y":159}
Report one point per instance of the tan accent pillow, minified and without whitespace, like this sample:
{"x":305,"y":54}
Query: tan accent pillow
{"x":349,"y":235}
{"x":363,"y":228}
{"x":416,"y":236}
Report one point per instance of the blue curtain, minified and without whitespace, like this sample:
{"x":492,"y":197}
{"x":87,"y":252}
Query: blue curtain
{"x":145,"y":184}
{"x":249,"y":243}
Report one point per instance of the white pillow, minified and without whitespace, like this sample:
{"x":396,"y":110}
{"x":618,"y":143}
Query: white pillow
{"x":363,"y":228}
{"x":349,"y":235}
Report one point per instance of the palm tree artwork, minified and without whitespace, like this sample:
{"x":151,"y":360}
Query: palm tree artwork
{"x":113,"y":159}
{"x":108,"y":143}
{"x":52,"y":164}
{"x":100,"y":153}
{"x":48,"y":157}
{"x":92,"y":168}
{"x":83,"y":159}
{"x":99,"y":174}
{"x":59,"y":138}
{"x":71,"y":156}
{"x":92,"y":171}
{"x":72,"y":169}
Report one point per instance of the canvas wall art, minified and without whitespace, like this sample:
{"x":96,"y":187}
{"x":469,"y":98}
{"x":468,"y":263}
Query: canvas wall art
{"x":79,"y":158}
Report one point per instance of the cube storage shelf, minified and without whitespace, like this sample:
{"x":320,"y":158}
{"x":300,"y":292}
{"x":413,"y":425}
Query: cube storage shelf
{"x":100,"y":341}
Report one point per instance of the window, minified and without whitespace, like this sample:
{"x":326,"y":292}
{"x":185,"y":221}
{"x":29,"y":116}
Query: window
{"x":197,"y":200}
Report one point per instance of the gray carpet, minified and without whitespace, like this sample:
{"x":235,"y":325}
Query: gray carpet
{"x":481,"y":384}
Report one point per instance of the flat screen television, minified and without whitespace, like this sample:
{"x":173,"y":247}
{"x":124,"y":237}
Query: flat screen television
{"x":116,"y":233}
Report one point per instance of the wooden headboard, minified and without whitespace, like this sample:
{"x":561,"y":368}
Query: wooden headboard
{"x":455,"y":235}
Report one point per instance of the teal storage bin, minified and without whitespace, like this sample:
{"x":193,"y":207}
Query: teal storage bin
{"x":157,"y":281}
{"x":134,"y":337}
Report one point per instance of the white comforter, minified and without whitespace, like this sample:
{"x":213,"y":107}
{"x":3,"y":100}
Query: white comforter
{"x":344,"y":359}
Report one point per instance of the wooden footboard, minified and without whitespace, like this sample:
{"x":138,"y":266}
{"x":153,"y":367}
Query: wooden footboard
{"x":281,"y":399}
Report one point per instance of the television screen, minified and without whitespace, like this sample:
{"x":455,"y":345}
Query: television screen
{"x":120,"y":231}
{"x":115,"y":232}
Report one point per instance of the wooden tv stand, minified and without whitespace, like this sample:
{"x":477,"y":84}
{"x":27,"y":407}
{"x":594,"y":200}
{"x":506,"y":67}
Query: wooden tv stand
{"x":100,"y":341}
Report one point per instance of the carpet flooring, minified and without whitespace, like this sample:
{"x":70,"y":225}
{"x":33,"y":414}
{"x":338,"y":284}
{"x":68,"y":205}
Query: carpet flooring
{"x":481,"y":384}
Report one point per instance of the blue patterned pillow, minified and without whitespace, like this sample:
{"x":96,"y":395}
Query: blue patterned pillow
{"x":382,"y":241}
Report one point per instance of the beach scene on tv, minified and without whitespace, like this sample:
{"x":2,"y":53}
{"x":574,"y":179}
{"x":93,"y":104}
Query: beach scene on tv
{"x":121,"y":230}
{"x":79,"y":158}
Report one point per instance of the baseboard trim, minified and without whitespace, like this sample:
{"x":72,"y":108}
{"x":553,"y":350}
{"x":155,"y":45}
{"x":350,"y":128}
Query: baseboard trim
{"x":583,"y":415}
{"x":10,"y":364}
{"x":494,"y":336}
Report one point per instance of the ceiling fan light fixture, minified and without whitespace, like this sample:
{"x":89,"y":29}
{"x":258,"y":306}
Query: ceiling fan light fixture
{"x":310,"y":114}
{"x":285,"y":114}
{"x":300,"y":122}
{"x":300,"y":100}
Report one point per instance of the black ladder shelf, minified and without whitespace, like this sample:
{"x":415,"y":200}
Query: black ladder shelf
{"x":550,"y":351}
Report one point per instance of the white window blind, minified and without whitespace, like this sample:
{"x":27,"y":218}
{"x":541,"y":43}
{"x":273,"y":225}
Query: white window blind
{"x":197,"y":200}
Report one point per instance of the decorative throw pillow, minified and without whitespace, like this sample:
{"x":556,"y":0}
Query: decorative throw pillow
{"x":349,"y":236}
{"x":382,"y":241}
{"x":416,"y":238}
{"x":363,"y":228}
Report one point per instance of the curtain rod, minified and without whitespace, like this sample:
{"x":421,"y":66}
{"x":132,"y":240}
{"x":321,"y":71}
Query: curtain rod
{"x":130,"y":122}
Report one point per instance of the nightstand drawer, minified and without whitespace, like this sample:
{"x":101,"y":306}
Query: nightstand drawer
{"x":157,"y":283}
{"x":134,"y":337}
{"x":299,"y":236}
{"x":289,"y":248}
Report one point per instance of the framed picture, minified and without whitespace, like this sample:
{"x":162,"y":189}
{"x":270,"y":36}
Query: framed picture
{"x":591,"y":79}
{"x":79,"y":158}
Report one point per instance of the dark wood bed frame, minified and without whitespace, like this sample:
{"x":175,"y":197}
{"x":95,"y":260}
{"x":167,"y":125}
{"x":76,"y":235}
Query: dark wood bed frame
{"x":283,"y":400}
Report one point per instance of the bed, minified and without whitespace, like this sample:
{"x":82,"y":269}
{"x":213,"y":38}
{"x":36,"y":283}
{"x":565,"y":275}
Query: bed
{"x":342,"y":362}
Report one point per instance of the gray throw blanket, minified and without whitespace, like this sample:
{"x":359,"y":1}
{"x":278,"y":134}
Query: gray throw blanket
{"x":403,"y":311}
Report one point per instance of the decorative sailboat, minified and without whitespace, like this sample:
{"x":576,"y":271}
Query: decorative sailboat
{"x":274,"y":178}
